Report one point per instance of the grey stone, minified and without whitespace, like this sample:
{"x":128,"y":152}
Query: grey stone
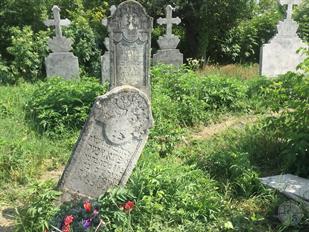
{"x":105,"y":59}
{"x":130,"y":44}
{"x":61,"y":62}
{"x":289,"y":184}
{"x":110,"y":143}
{"x":105,"y":64}
{"x":168,"y":54}
{"x":280,"y":54}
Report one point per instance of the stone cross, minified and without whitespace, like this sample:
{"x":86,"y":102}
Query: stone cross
{"x":290,"y":4}
{"x":169,"y":20}
{"x":57,"y":21}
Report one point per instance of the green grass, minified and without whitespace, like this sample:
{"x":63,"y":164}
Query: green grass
{"x":24,"y":154}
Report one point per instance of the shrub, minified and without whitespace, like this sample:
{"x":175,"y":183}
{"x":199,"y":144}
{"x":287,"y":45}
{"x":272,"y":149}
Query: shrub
{"x":243,"y":42}
{"x":28,"y":49}
{"x":57,"y":105}
{"x":6,"y":75}
{"x":84,"y":46}
{"x":288,"y":97}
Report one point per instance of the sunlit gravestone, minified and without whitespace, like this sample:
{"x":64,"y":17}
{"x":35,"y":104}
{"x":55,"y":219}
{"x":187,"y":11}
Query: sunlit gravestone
{"x":61,"y":62}
{"x":280,"y":54}
{"x":116,"y":132}
{"x":168,"y":54}
{"x":130,"y":30}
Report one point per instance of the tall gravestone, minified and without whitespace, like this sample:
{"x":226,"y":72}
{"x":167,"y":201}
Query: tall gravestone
{"x":105,"y":59}
{"x":109,"y":145}
{"x":168,"y":54}
{"x":280,"y":54}
{"x":61,"y":62}
{"x":130,"y":46}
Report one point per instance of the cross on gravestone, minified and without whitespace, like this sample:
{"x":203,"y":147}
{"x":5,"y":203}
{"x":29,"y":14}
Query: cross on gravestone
{"x":57,"y":21}
{"x":290,"y":4}
{"x":169,"y":20}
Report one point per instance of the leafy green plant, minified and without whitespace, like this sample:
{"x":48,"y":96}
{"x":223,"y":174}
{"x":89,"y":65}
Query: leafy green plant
{"x":196,"y":95}
{"x":243,"y":42}
{"x":28,"y":49}
{"x":288,"y":96}
{"x":85,"y":46}
{"x":38,"y":209}
{"x":57,"y":105}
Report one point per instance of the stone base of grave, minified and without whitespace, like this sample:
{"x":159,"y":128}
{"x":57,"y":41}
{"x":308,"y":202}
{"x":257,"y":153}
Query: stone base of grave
{"x":168,"y":56}
{"x":105,"y":68}
{"x":280,"y":56}
{"x":62,"y":64}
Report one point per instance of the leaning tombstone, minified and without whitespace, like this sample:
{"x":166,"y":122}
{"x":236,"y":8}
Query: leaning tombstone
{"x":168,"y":54}
{"x":115,"y":134}
{"x":61,"y":62}
{"x":110,"y":144}
{"x":105,"y":59}
{"x":130,"y":46}
{"x":280,"y":54}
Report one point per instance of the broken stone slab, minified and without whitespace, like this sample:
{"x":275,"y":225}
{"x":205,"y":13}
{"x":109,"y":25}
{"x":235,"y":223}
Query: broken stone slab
{"x":110,"y":144}
{"x":289,"y":184}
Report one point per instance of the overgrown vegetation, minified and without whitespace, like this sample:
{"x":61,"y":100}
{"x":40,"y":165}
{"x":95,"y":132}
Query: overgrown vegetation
{"x":180,"y":183}
{"x":58,"y":106}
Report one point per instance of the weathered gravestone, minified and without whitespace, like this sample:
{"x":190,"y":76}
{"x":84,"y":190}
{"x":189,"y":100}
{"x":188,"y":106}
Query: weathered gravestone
{"x":280,"y":55}
{"x":61,"y":62}
{"x":110,"y":143}
{"x":130,"y":44}
{"x":168,"y":54}
{"x":105,"y":59}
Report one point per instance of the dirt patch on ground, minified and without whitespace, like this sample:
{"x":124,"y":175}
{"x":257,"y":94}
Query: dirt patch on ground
{"x":6,"y":218}
{"x":52,"y":175}
{"x":215,"y":129}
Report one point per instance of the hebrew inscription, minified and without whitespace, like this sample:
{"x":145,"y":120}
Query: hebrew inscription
{"x":110,"y":143}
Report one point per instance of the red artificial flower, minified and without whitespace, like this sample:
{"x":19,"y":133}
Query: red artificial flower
{"x":128,"y":206}
{"x":87,"y":206}
{"x":67,"y":222}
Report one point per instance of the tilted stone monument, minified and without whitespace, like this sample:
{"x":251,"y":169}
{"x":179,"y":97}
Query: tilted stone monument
{"x":280,"y":54}
{"x":130,"y":46}
{"x":61,"y":62}
{"x":110,"y":143}
{"x":105,"y":59}
{"x":168,"y":54}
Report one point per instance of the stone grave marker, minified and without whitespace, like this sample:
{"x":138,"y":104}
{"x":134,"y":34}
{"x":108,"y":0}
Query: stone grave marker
{"x":61,"y":62}
{"x":280,"y":54}
{"x":130,"y":46}
{"x":168,"y":54}
{"x":105,"y":59}
{"x":109,"y":145}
